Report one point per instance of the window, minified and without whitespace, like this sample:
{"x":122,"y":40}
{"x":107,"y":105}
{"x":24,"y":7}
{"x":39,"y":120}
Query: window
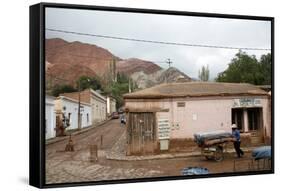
{"x":69,"y":117}
{"x":181,"y":104}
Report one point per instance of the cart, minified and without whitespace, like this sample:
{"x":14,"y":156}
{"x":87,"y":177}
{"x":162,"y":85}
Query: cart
{"x":213,"y":144}
{"x":213,"y":151}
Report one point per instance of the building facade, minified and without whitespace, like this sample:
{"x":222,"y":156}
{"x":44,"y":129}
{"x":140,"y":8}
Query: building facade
{"x":110,"y":105}
{"x":69,"y":108}
{"x":97,"y":103}
{"x":179,"y":110}
{"x":50,"y":117}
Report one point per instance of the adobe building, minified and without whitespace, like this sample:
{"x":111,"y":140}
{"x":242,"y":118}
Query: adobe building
{"x":168,"y":115}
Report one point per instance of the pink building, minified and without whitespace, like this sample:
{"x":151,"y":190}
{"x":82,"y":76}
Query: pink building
{"x":171,"y":113}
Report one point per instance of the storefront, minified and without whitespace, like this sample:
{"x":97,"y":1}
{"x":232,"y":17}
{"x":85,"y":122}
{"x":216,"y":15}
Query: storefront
{"x":193,"y":107}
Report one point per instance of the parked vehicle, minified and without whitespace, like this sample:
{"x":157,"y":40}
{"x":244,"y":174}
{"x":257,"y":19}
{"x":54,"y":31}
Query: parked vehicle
{"x":115,"y":115}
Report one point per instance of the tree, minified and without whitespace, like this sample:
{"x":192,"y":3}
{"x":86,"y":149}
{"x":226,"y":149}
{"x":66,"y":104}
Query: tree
{"x":121,"y":86}
{"x":59,"y":89}
{"x":122,"y":78}
{"x":265,"y":68}
{"x":89,"y":82}
{"x":204,"y":73}
{"x":244,"y":68}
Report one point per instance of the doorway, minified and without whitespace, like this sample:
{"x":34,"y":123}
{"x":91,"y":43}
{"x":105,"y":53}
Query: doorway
{"x":254,"y":119}
{"x":238,"y":118}
{"x":141,"y":133}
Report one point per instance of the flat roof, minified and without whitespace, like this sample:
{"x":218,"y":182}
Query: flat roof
{"x":196,"y":89}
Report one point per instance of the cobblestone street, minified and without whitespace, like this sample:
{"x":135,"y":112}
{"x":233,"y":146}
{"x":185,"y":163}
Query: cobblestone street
{"x":75,"y":166}
{"x":63,"y":167}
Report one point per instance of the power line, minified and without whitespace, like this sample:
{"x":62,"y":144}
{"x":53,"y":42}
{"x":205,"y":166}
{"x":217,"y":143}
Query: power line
{"x":96,"y":58}
{"x":155,"y":42}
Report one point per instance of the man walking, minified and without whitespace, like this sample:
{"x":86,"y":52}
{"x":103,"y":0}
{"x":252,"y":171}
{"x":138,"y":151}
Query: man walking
{"x":237,"y":141}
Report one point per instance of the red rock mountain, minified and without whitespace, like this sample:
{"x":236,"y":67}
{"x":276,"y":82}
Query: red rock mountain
{"x":96,"y":58}
{"x":67,"y":61}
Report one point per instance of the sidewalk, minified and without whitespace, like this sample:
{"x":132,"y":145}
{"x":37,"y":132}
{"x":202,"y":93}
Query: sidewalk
{"x":76,"y":132}
{"x":118,"y":152}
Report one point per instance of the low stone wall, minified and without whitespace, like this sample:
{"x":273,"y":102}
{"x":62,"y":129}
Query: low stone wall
{"x":178,"y":145}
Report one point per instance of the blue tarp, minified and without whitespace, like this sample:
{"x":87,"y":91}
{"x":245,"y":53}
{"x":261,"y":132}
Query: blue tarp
{"x":194,"y":171}
{"x":262,"y":152}
{"x":200,"y":138}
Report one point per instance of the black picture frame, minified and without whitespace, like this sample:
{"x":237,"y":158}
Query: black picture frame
{"x":37,"y":92}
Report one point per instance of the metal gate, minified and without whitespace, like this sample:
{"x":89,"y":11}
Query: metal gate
{"x":141,"y":133}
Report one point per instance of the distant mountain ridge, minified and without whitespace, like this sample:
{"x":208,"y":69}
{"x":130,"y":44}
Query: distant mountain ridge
{"x":67,"y":61}
{"x":132,"y":65}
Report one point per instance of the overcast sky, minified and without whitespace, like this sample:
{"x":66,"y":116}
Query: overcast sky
{"x":181,"y":29}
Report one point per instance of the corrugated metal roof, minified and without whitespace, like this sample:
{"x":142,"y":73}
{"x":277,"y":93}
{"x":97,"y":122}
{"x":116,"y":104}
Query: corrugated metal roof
{"x":196,"y":89}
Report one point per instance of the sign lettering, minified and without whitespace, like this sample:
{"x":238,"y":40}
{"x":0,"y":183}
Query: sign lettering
{"x":247,"y":102}
{"x":163,"y":129}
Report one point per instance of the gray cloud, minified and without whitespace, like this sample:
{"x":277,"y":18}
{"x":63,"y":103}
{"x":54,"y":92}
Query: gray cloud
{"x":182,"y":29}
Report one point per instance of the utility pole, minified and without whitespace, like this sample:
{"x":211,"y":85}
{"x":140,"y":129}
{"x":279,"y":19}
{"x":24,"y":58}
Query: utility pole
{"x":169,"y":62}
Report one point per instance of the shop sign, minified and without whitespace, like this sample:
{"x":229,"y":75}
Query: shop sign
{"x":247,"y":102}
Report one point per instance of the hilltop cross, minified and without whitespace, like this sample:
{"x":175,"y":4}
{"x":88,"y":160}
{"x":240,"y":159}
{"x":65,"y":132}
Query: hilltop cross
{"x":169,"y":62}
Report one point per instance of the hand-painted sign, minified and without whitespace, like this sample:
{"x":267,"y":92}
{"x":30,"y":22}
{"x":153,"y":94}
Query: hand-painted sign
{"x":247,"y":102}
{"x":163,"y":129}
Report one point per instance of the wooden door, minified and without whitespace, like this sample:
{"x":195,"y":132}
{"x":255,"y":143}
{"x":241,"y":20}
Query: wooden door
{"x":141,"y":133}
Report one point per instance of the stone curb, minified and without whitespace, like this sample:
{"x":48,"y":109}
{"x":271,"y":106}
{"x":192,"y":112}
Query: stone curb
{"x":163,"y":156}
{"x":85,"y":129}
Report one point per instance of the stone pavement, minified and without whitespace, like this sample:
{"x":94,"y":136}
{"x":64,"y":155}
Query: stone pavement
{"x":76,"y":132}
{"x":118,"y":152}
{"x":63,"y":167}
{"x":77,"y":167}
{"x":112,"y":164}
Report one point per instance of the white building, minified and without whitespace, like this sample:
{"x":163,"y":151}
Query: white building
{"x":69,"y":107}
{"x":50,"y":117}
{"x":110,"y":105}
{"x":96,"y":101}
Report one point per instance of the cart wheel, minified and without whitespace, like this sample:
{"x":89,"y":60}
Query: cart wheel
{"x":218,"y":155}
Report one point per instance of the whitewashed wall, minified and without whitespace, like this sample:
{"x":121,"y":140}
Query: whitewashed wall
{"x":98,"y":104}
{"x":50,"y":118}
{"x":69,"y":106}
{"x":110,"y":105}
